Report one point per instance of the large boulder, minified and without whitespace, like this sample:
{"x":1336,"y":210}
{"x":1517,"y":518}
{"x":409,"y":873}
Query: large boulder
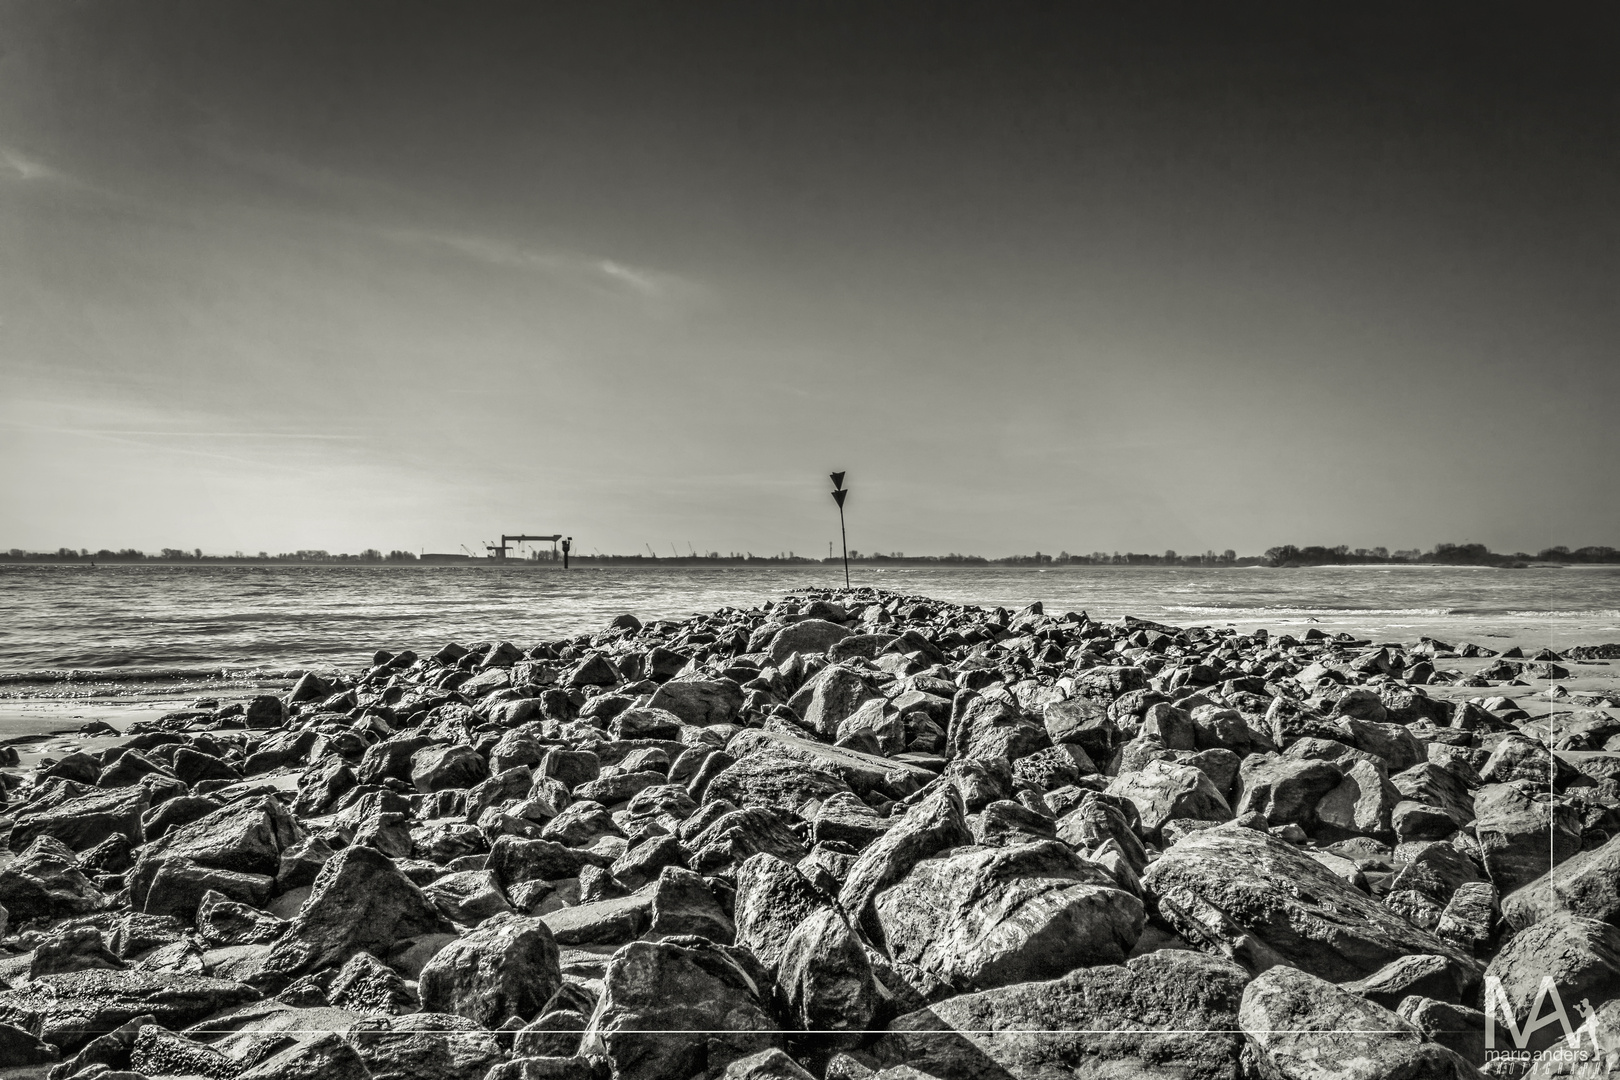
{"x":1305,"y":1028}
{"x":1581,"y":957}
{"x":236,"y":850}
{"x":1285,"y":790}
{"x":775,"y":776}
{"x":991,"y":726}
{"x":435,"y":768}
{"x":505,"y":967}
{"x":436,"y":1045}
{"x":76,"y":1007}
{"x":360,"y":902}
{"x":1262,"y":902}
{"x":85,"y":820}
{"x":806,"y":945}
{"x":975,"y":918}
{"x":1162,"y":791}
{"x":700,"y":701}
{"x":934,"y":824}
{"x":866,"y":774}
{"x":806,"y":637}
{"x":45,"y":882}
{"x":1523,"y":836}
{"x":1169,"y":1013}
{"x":1587,"y":884}
{"x":831,"y":698}
{"x":680,"y":1008}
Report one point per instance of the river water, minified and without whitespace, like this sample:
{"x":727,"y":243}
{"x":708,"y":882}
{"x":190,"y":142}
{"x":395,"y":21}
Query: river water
{"x":160,"y":623}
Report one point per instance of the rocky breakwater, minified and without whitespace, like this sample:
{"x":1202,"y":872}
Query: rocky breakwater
{"x":844,"y":835}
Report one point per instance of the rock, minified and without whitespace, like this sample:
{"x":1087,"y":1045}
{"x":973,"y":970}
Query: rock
{"x":222,"y":922}
{"x":807,"y":946}
{"x":1519,"y":834}
{"x":1362,"y":804}
{"x":468,"y":897}
{"x":935,"y":824}
{"x":770,"y":1064}
{"x":1284,"y":790}
{"x":158,"y":1052}
{"x":741,"y":833}
{"x":976,"y":918}
{"x":682,"y":903}
{"x":366,"y":985}
{"x":1084,"y":723}
{"x":83,"y":821}
{"x":76,"y":948}
{"x":323,"y":1057}
{"x":773,"y":776}
{"x":360,"y":902}
{"x":265,"y":711}
{"x":20,"y":1048}
{"x":1428,"y":976}
{"x":844,"y":817}
{"x":989,"y":727}
{"x":231,"y":850}
{"x":1586,"y":884}
{"x":1305,"y":1028}
{"x":1263,"y":902}
{"x":439,"y":1046}
{"x":507,"y":966}
{"x":602,"y":922}
{"x":436,"y":768}
{"x":679,"y":1008}
{"x":1581,"y":957}
{"x":45,"y":882}
{"x":806,"y":637}
{"x":866,"y":774}
{"x":1169,"y":1013}
{"x":172,"y":813}
{"x":1163,"y":791}
{"x":76,"y":1007}
{"x":700,"y":702}
{"x":194,"y":766}
{"x":833,"y":697}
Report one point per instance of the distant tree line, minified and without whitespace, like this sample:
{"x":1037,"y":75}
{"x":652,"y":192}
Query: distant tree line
{"x":1440,"y":555}
{"x":1286,"y":555}
{"x":195,"y":555}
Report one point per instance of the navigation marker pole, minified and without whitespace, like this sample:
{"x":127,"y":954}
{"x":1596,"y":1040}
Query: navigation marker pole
{"x":838,"y":497}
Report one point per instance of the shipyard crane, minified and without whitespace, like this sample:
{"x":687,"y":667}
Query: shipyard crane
{"x":498,"y":551}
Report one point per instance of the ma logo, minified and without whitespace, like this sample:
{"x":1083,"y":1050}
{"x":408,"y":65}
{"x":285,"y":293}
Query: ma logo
{"x":1496,"y":1000}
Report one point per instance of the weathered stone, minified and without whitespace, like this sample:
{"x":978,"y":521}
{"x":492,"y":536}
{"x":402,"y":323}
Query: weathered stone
{"x":45,"y":882}
{"x":1521,"y":835}
{"x":1169,"y":1013}
{"x":1586,"y":884}
{"x":935,"y":824}
{"x":439,"y":1046}
{"x":1284,"y":790}
{"x":1263,"y":902}
{"x":976,"y":918}
{"x":507,"y":966}
{"x":360,"y":902}
{"x":1305,"y":1028}
{"x":806,"y":637}
{"x":1163,"y":791}
{"x":678,"y":1008}
{"x":700,"y":701}
{"x":76,"y":1007}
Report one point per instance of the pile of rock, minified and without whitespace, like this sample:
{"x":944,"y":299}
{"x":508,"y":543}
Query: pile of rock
{"x":844,"y":835}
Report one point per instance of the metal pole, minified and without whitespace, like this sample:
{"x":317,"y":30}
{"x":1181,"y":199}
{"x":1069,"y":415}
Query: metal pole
{"x":839,"y":495}
{"x":845,"y":538}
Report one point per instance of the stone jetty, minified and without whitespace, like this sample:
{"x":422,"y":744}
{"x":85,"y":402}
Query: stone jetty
{"x":848,"y":834}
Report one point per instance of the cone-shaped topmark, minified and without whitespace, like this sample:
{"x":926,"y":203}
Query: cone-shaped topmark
{"x":839,"y":496}
{"x":838,"y":480}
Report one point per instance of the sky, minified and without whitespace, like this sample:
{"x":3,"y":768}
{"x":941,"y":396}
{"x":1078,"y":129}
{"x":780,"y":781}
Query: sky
{"x":1036,"y":276}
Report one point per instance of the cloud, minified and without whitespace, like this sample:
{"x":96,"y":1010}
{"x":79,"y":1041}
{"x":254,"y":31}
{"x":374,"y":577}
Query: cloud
{"x":25,"y":168}
{"x":596,"y":272}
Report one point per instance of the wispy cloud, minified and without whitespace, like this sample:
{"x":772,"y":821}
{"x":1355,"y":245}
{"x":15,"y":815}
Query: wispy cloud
{"x":15,"y":163}
{"x":597,"y":272}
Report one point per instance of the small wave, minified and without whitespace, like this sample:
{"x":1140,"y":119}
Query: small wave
{"x":54,"y":675}
{"x":1262,"y":612}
